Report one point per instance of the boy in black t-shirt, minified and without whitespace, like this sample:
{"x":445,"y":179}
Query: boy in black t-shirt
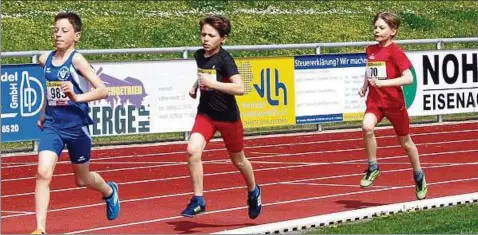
{"x":219,"y":81}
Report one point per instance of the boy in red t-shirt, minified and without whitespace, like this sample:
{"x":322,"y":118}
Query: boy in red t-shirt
{"x":388,"y":68}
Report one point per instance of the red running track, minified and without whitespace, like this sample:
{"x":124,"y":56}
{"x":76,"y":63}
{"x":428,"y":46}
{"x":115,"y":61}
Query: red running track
{"x":301,"y":176}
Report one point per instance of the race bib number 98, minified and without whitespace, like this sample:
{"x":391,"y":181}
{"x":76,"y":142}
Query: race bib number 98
{"x":55,"y":96}
{"x":376,"y":69}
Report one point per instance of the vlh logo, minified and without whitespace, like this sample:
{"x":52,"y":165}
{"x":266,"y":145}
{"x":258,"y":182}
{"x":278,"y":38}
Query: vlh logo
{"x":265,"y":86}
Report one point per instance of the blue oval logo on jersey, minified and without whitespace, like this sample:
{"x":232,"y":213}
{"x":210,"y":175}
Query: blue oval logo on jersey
{"x":63,"y":73}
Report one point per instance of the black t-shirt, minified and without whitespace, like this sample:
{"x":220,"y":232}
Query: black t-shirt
{"x":217,"y":105}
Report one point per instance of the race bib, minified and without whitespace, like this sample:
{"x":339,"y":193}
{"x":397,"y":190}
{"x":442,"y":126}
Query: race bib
{"x":211,"y":73}
{"x":376,"y":69}
{"x":55,"y":96}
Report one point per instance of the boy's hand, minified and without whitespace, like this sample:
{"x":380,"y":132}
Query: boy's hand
{"x":40,"y":122}
{"x":205,"y":81}
{"x":362,"y":91}
{"x":193,"y":92}
{"x":377,"y":82}
{"x":67,"y":88}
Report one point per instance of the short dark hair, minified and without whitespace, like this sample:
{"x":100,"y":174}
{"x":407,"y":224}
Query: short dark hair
{"x":73,"y":18}
{"x":220,"y":23}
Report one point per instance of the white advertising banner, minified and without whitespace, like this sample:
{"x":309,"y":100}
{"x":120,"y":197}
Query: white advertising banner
{"x":446,"y":82}
{"x":145,"y":97}
{"x":326,"y":87}
{"x":152,"y":96}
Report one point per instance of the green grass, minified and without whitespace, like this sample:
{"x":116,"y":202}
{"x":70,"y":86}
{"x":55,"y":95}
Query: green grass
{"x":454,"y":220}
{"x":135,"y":24}
{"x":151,"y":24}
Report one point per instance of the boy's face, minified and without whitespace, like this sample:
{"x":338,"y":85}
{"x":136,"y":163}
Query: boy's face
{"x":210,"y":38}
{"x":382,"y":32}
{"x":64,"y":34}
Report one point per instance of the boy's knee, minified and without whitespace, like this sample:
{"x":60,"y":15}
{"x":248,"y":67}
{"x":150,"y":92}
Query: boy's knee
{"x":368,"y":129}
{"x":44,"y":174}
{"x":406,"y":143}
{"x":194,"y":151}
{"x":238,"y":163}
{"x":194,"y":157}
{"x":239,"y":160}
{"x":84,"y":179}
{"x":80,"y":182}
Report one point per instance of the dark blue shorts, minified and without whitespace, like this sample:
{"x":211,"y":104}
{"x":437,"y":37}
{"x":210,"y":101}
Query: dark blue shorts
{"x":77,"y":140}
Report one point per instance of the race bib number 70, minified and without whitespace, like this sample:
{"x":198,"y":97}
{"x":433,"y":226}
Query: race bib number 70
{"x":55,"y":96}
{"x":376,"y":69}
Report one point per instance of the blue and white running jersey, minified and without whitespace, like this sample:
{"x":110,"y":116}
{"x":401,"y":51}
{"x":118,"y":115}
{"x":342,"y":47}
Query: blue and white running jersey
{"x":61,"y":112}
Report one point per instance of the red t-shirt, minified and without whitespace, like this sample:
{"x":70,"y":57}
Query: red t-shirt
{"x":386,"y":63}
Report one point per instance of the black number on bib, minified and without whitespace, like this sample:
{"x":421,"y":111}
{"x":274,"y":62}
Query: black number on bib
{"x":373,"y":72}
{"x":57,"y":94}
{"x":52,"y":93}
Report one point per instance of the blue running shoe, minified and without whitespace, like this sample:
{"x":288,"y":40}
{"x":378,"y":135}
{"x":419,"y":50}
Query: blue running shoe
{"x":254,"y":202}
{"x":194,"y":208}
{"x":112,"y":202}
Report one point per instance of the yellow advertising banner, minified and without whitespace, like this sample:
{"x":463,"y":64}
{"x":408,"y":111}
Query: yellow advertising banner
{"x":269,"y":98}
{"x":358,"y":116}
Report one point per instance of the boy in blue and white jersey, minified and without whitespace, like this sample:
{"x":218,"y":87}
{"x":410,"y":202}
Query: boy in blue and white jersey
{"x":64,"y":119}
